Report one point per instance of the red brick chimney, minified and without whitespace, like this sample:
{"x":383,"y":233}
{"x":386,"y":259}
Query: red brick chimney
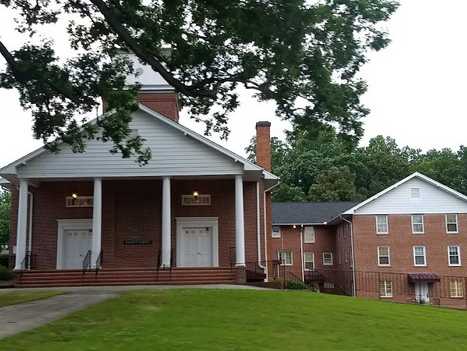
{"x":155,"y":93}
{"x":164,"y":102}
{"x":263,"y":144}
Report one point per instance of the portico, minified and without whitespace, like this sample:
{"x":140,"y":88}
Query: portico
{"x":118,"y":235}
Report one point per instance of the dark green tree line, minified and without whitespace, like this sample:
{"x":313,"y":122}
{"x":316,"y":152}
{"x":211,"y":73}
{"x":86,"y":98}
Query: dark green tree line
{"x":5,"y":204}
{"x":323,"y":167}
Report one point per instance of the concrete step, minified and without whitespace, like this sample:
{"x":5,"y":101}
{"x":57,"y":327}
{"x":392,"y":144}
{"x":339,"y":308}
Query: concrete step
{"x":126,"y":277}
{"x":113,"y":283}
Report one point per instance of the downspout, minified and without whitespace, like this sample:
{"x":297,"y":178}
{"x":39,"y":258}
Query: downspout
{"x":258,"y":227}
{"x":354,"y":292}
{"x":301,"y":252}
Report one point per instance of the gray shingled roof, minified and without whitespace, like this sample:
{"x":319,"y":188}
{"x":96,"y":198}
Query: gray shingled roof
{"x":308,"y":212}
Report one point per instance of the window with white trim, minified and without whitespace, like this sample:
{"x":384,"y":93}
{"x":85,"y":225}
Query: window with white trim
{"x":419,"y":255}
{"x":285,"y":257}
{"x":309,"y":235}
{"x":276,"y":231}
{"x":384,"y":256}
{"x":309,"y":261}
{"x":382,"y":226}
{"x":418,"y":226}
{"x":328,"y":285}
{"x":385,"y":288}
{"x":328,"y":259}
{"x":454,"y":255}
{"x":452,"y":223}
{"x":456,"y":288}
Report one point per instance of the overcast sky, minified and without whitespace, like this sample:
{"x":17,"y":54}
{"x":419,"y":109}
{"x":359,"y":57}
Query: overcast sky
{"x":416,"y":86}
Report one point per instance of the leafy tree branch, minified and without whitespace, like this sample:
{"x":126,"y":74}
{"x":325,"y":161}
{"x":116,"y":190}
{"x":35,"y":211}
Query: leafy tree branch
{"x":304,"y":55}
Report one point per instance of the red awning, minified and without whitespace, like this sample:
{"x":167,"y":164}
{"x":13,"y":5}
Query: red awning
{"x":427,"y":277}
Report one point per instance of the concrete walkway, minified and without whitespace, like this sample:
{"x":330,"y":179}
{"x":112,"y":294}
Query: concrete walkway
{"x":17,"y":318}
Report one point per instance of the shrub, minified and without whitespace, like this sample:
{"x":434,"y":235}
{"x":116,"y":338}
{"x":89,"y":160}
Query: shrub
{"x":275,"y":284}
{"x":6,"y":274}
{"x":4,"y":260}
{"x":296,"y":285}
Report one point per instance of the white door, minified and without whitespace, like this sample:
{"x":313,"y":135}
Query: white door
{"x":76,"y":244}
{"x":422,"y":292}
{"x":196,"y":247}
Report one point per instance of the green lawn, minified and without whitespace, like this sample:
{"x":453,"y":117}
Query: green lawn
{"x":13,"y":298}
{"x":248,"y":320}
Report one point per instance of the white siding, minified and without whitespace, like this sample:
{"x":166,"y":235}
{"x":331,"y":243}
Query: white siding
{"x":173,"y":153}
{"x":399,"y":200}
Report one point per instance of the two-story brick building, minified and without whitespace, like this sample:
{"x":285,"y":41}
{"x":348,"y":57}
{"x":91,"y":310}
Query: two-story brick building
{"x":405,"y":243}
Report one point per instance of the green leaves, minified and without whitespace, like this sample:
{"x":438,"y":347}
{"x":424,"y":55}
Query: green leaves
{"x":304,"y":55}
{"x":316,"y":164}
{"x":5,"y":204}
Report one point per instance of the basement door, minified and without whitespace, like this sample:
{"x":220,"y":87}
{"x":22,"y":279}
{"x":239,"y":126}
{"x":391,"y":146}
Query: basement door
{"x":197,"y":243}
{"x":422,"y":292}
{"x":76,"y":244}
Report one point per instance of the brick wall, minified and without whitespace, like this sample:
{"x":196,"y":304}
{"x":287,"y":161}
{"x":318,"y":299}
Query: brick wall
{"x":48,"y":206}
{"x":263,"y":144}
{"x":132,"y":210}
{"x":401,"y":240}
{"x":343,"y":247}
{"x":164,"y":103}
{"x":325,"y":241}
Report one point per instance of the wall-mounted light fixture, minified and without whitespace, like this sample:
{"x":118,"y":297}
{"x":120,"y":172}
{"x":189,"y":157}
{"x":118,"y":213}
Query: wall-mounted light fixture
{"x":195,"y":194}
{"x":74,"y":196}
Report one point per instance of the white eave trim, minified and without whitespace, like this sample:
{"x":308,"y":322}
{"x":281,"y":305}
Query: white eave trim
{"x":247,"y":165}
{"x":269,"y":176}
{"x":413,"y":175}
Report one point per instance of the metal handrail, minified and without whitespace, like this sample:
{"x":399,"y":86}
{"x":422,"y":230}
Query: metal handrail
{"x":26,"y":263}
{"x":99,"y":261}
{"x":87,"y":262}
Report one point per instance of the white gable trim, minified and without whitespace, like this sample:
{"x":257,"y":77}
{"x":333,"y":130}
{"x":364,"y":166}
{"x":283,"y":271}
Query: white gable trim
{"x":247,"y":165}
{"x":394,"y":186}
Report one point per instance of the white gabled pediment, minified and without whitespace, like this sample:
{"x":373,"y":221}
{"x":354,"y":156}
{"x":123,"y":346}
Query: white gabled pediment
{"x":175,"y":152}
{"x":415,"y":194}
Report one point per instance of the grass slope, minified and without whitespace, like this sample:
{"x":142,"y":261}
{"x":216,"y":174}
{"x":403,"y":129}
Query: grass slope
{"x":13,"y":298}
{"x":247,"y":320}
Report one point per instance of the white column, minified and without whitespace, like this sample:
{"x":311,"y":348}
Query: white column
{"x":96,"y":221}
{"x":22,"y":224}
{"x":239,"y":223}
{"x":166,"y":227}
